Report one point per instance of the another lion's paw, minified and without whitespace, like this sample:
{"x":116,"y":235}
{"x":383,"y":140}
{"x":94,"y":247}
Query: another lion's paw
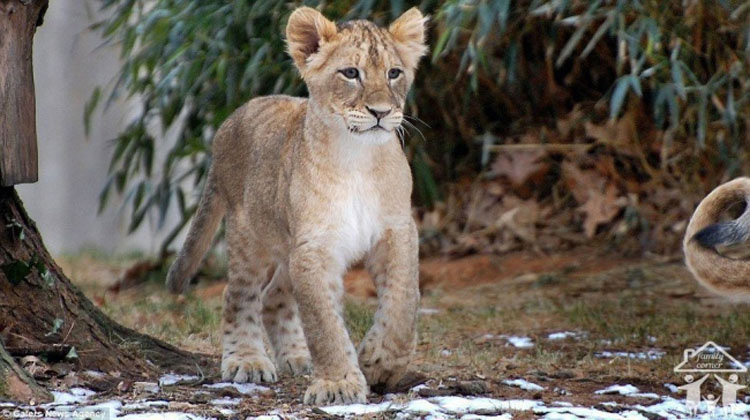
{"x":294,"y":364}
{"x":350,"y":390}
{"x":247,"y":368}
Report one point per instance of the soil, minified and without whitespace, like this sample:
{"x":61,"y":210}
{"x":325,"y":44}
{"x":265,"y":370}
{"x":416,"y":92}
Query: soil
{"x":626,"y":321}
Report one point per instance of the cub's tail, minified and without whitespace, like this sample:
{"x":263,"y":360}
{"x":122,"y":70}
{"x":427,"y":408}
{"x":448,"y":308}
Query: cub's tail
{"x":722,"y":275}
{"x":206,"y":220}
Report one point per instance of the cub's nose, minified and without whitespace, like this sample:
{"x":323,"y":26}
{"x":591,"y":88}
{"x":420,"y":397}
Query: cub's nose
{"x":379,"y":113}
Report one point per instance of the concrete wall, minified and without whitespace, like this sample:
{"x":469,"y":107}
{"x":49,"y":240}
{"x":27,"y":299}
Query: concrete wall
{"x":68,"y":65}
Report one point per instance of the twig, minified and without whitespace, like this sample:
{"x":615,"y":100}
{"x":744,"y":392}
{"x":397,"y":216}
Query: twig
{"x":552,"y":147}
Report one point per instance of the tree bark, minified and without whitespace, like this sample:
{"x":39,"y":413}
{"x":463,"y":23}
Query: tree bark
{"x":41,"y":312}
{"x":41,"y":308}
{"x":16,"y":385}
{"x":18,"y":149}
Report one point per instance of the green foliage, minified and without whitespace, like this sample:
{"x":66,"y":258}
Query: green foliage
{"x":359,"y":318}
{"x":496,"y":66}
{"x":17,"y":271}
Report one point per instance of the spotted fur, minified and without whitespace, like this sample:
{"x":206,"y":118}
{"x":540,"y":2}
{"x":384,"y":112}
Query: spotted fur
{"x":307,"y":187}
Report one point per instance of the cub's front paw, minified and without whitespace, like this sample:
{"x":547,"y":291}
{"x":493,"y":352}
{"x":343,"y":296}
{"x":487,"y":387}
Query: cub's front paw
{"x":349,"y":390}
{"x":247,"y":368}
{"x":294,"y":365}
{"x":381,"y":365}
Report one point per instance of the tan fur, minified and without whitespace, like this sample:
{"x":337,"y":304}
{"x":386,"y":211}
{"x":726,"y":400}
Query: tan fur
{"x":724,"y":276}
{"x":308,"y":187}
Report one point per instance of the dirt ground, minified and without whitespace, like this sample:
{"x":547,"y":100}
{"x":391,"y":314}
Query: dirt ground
{"x":571,"y":324}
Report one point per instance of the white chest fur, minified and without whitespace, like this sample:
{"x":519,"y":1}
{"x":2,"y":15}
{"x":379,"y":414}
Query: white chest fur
{"x":355,"y":218}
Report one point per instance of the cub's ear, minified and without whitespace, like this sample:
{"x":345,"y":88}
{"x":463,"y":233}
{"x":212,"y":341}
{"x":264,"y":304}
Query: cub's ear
{"x":306,"y":31}
{"x":409,"y":31}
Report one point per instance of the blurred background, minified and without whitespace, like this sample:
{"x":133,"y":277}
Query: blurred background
{"x":535,"y":125}
{"x":70,"y":62}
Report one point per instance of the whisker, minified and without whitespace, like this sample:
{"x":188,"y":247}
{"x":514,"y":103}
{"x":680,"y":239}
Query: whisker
{"x":400,"y":134}
{"x":410,"y":125}
{"x":416,"y":119}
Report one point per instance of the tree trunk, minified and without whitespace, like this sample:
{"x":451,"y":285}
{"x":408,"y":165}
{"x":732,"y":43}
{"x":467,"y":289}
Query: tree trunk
{"x":41,"y":310}
{"x":18,"y":153}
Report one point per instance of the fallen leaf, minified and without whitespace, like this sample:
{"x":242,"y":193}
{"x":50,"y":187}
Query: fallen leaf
{"x":518,"y":166}
{"x":601,"y":208}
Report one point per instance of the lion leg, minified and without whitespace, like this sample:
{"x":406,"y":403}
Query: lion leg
{"x":244,"y":356}
{"x":389,"y":345}
{"x":317,"y":282}
{"x":281,"y":319}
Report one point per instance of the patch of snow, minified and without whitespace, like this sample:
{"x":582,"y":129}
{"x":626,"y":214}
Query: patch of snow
{"x":464,"y":405}
{"x":139,"y":405}
{"x":225,"y":401}
{"x":95,"y":373}
{"x":524,"y":384}
{"x":418,"y":387}
{"x":673,"y":409}
{"x":714,"y":349}
{"x":648,"y":355}
{"x":241,"y":388}
{"x":437,"y":407}
{"x":618,"y":389}
{"x":65,"y":398}
{"x":357,"y":409}
{"x":627,"y":390}
{"x":562,"y":335}
{"x":428,"y":311}
{"x":633,"y":415}
{"x":82,"y":392}
{"x":226,"y":411}
{"x":421,"y":407}
{"x":104,"y":410}
{"x":505,"y":416}
{"x":173,"y":378}
{"x":445,"y":352}
{"x":162,"y":416}
{"x":566,"y":413}
{"x":518,"y":341}
{"x":672,"y":388}
{"x":150,"y":387}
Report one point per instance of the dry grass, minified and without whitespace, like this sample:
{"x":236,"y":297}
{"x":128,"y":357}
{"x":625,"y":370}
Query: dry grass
{"x":633,"y":307}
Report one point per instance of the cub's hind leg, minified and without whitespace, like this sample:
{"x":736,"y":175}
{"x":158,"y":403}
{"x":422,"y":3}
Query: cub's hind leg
{"x":281,"y":318}
{"x":244,"y":357}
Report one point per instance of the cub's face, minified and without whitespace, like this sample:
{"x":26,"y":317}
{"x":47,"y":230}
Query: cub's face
{"x":358,"y":74}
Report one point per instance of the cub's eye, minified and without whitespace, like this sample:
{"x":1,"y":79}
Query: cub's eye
{"x":350,"y":73}
{"x":394,"y":73}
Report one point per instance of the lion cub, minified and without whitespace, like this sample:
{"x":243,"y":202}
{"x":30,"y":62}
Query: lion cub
{"x":309,"y":186}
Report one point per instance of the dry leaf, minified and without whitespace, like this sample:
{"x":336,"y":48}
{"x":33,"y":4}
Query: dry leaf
{"x":518,"y":166}
{"x":601,"y":208}
{"x":581,"y":182}
{"x":621,"y":135}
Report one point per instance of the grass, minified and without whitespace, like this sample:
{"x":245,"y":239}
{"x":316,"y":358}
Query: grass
{"x":633,"y":308}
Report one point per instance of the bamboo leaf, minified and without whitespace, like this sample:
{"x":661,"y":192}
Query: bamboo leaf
{"x":618,"y":96}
